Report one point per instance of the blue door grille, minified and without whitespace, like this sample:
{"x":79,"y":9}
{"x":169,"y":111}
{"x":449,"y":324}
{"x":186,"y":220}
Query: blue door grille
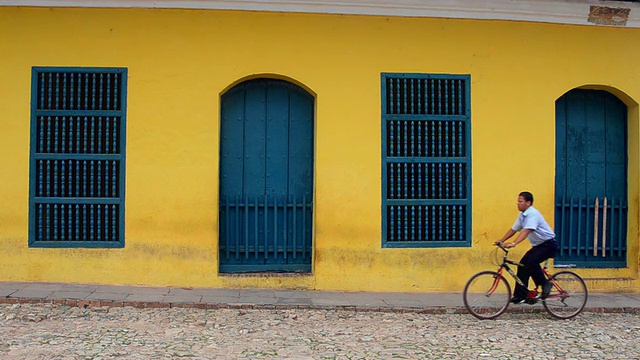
{"x":266,"y":177}
{"x":266,"y":233}
{"x":77,"y":157}
{"x":426,"y":160}
{"x":578,"y":219}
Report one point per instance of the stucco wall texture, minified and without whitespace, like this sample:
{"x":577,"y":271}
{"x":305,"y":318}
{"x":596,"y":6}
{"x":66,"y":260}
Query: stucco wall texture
{"x":181,"y":61}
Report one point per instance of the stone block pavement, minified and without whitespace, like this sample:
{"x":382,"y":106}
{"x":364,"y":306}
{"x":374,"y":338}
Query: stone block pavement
{"x":93,"y":295}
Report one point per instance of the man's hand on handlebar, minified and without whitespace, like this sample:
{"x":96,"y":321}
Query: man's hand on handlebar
{"x":504,"y":245}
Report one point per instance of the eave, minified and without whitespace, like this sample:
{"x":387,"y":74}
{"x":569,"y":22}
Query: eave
{"x":575,"y":12}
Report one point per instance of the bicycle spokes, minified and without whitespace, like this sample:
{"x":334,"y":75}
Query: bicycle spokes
{"x":568,"y":296}
{"x":486,"y":295}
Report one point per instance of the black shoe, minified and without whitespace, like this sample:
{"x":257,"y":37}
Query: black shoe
{"x":517,"y":300}
{"x":531,"y":301}
{"x":546,"y":289}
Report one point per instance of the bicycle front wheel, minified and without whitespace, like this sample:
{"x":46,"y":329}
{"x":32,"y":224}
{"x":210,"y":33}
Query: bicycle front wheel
{"x":486,"y":295}
{"x":568,"y":295}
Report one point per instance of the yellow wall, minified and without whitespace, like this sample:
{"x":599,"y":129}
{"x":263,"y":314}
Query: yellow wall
{"x":181,"y":61}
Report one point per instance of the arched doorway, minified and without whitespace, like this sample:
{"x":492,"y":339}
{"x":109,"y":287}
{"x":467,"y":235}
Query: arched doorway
{"x":266,"y":177}
{"x":591,"y":179}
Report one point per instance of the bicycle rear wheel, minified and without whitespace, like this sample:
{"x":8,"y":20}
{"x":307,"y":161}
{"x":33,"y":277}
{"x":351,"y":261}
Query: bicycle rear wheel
{"x":568,"y":295}
{"x":486,"y":295}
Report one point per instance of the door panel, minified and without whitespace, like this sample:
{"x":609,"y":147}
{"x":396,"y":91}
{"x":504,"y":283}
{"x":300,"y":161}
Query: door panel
{"x":591,"y":179}
{"x":266,"y":177}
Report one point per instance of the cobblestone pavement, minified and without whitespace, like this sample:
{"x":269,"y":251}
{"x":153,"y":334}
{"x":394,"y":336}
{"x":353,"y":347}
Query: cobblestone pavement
{"x":48,"y":331}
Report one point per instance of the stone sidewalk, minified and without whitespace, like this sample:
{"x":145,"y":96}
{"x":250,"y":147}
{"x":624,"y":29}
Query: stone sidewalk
{"x":92,"y":295}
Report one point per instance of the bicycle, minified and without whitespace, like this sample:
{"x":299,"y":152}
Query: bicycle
{"x":487,"y":294}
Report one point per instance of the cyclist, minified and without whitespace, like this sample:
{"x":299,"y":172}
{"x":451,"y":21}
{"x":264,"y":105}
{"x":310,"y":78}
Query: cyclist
{"x":531,"y":224}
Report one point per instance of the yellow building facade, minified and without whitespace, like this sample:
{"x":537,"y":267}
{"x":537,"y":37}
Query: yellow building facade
{"x":181,"y":62}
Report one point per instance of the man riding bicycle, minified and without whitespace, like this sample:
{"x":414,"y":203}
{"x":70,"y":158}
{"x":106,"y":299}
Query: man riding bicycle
{"x":531,"y":224}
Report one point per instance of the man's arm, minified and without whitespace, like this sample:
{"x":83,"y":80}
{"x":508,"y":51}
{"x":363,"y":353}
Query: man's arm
{"x":521,"y":237}
{"x":507,"y":236}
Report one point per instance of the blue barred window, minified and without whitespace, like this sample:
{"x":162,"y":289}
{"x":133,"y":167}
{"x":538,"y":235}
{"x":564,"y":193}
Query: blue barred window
{"x":77,"y":159}
{"x":426,"y":160}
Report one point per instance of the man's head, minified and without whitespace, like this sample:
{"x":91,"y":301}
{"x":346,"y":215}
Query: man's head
{"x":525,"y":200}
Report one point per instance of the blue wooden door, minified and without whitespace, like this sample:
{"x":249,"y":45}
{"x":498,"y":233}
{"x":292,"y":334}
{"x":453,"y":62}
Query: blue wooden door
{"x":266,"y":177}
{"x":591,"y":179}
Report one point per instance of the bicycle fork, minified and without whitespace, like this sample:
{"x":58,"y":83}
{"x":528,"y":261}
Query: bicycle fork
{"x":496,"y":282}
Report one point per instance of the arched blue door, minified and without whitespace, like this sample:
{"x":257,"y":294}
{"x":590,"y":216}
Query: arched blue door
{"x":591,"y":179}
{"x":266,"y":177}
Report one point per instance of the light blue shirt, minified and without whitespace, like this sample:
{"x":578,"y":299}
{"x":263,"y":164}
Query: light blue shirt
{"x":532,"y":219}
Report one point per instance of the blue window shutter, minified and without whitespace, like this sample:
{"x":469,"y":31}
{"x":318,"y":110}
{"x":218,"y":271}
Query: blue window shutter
{"x":426,"y":160}
{"x":77,"y":158}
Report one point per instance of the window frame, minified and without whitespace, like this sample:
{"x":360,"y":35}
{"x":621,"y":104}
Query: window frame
{"x":119,"y":157}
{"x":466,"y":160}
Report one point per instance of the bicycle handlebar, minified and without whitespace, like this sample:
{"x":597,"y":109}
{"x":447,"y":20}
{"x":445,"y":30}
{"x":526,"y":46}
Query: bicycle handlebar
{"x":502,"y":247}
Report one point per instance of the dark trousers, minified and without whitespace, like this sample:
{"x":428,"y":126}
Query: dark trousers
{"x":531,"y":261}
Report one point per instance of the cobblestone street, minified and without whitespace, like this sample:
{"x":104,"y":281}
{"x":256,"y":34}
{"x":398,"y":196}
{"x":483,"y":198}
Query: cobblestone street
{"x":48,"y":331}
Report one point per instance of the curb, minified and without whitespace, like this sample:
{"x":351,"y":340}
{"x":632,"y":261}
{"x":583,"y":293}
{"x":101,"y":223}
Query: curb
{"x":86,"y":304}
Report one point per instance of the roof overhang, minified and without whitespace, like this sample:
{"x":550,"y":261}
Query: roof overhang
{"x":577,"y":12}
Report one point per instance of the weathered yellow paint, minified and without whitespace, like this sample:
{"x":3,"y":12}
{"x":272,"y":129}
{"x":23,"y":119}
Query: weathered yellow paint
{"x":181,"y":61}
